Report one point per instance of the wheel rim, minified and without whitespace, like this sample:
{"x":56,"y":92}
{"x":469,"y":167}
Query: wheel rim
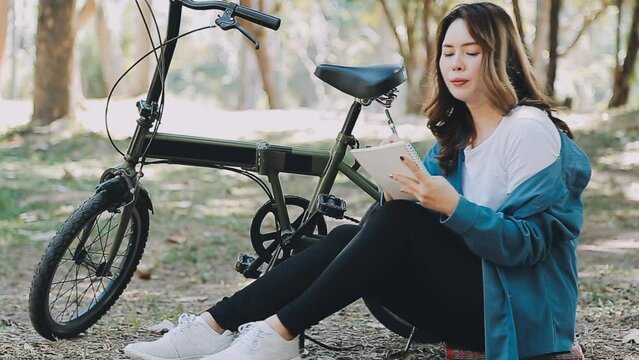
{"x":79,"y":283}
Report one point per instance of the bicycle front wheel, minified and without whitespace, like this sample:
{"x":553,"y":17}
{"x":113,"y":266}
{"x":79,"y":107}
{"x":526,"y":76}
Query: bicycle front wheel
{"x":71,"y":288}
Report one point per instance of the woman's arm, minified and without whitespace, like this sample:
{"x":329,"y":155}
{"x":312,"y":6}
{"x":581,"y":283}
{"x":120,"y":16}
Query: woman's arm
{"x":511,"y":241}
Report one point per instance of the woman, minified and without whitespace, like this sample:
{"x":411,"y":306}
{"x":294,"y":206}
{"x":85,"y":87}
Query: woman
{"x":490,"y":246}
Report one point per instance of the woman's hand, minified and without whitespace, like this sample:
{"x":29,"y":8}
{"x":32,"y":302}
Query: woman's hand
{"x":433,"y":192}
{"x":391,"y":139}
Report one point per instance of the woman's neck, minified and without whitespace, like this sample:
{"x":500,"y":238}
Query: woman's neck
{"x":486,"y":119}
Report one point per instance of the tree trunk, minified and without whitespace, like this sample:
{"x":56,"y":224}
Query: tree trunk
{"x":408,"y":49}
{"x":55,"y":38}
{"x":553,"y":40}
{"x":624,"y":73}
{"x":142,"y":77}
{"x":263,"y":60}
{"x":241,"y":81}
{"x":13,"y":88}
{"x":5,"y":6}
{"x":518,"y":21}
{"x":540,"y":43}
{"x":618,"y":34}
{"x":429,"y":45}
{"x":411,"y":13}
{"x":110,"y":55}
{"x":82,"y":17}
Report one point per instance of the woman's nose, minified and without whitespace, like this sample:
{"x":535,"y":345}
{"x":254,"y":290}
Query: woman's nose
{"x":457,"y":64}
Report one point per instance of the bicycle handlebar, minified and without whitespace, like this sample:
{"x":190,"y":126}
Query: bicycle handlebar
{"x":248,"y":14}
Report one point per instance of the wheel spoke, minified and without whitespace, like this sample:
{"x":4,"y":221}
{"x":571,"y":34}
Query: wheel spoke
{"x":66,"y":281}
{"x":86,"y":290}
{"x":106,"y":241}
{"x":66,"y":304}
{"x":58,"y":295}
{"x":75,"y":289}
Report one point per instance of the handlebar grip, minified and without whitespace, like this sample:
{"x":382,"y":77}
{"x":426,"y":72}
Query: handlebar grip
{"x":248,"y":14}
{"x":258,"y":17}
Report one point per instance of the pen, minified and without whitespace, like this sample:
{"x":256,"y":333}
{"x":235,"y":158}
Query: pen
{"x":391,"y":124}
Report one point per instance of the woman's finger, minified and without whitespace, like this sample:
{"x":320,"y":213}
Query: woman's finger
{"x":404,"y":180}
{"x":414,"y":168}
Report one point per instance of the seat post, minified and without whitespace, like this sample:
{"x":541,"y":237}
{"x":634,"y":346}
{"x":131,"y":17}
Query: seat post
{"x":351,"y":118}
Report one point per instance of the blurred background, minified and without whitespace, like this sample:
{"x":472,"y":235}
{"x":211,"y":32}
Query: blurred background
{"x":59,"y":60}
{"x":583,"y":51}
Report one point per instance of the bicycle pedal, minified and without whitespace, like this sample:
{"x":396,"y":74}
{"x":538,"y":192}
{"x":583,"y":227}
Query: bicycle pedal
{"x":331,"y":206}
{"x":243,"y":262}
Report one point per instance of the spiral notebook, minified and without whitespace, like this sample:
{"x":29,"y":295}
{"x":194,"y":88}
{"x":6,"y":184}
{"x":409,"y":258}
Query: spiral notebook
{"x":379,"y":161}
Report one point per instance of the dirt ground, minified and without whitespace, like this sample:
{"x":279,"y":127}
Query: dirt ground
{"x":195,"y":206}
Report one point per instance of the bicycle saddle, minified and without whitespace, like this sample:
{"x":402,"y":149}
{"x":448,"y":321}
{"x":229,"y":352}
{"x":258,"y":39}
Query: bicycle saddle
{"x":364,"y":82}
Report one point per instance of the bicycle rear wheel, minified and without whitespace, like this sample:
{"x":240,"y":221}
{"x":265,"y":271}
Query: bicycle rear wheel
{"x":71,"y":290}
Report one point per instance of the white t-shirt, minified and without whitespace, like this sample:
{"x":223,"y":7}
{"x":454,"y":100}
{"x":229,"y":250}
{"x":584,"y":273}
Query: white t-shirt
{"x":525,"y":142}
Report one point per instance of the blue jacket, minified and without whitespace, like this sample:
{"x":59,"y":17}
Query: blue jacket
{"x":528,"y":250}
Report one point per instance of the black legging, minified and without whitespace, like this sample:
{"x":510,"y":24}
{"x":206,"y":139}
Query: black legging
{"x":403,"y":257}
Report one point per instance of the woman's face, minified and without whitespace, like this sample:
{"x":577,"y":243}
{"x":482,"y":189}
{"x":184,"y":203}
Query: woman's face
{"x":460,"y":63}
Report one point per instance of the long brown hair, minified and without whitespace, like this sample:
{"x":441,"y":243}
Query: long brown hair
{"x":507,"y":79}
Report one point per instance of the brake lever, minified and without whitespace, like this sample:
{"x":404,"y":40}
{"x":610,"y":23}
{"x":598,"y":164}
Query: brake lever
{"x":248,"y":35}
{"x":227,"y":22}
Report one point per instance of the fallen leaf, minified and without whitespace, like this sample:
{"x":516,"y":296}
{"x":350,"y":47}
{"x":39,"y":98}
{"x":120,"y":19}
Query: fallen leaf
{"x":633,"y":336}
{"x":176,"y":239}
{"x":162,"y":327}
{"x":144,"y":271}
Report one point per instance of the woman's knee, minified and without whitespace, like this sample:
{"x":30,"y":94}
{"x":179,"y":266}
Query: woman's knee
{"x":343,"y":234}
{"x":397,"y":212}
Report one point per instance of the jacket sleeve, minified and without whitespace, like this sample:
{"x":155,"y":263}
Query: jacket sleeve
{"x":430,"y":160}
{"x":510,"y":241}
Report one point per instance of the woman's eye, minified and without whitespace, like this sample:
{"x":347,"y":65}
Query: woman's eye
{"x":472,"y":54}
{"x":447,"y":55}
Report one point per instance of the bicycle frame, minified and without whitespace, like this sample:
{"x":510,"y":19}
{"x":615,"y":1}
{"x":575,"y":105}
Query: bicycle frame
{"x":259,"y":157}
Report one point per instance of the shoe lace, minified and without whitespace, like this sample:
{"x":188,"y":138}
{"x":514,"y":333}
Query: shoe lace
{"x":250,"y":335}
{"x":184,"y":321}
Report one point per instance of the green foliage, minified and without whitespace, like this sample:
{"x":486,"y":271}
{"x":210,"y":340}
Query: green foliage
{"x":9,"y":204}
{"x":91,"y":69}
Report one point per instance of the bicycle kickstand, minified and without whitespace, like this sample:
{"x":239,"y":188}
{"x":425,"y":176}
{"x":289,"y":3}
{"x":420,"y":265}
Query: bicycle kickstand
{"x":410,"y":340}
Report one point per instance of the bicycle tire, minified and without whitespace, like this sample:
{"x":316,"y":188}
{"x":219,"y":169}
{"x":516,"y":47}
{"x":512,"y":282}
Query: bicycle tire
{"x":385,"y":316}
{"x":82,"y":259}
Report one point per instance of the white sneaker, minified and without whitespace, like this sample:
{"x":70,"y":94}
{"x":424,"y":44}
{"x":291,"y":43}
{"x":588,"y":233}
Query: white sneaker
{"x":258,"y":341}
{"x":191,"y":339}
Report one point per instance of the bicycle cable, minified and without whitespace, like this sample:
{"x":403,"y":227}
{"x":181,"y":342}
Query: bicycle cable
{"x":161,"y":70}
{"x":251,"y":176}
{"x":143,"y":162}
{"x":128,"y":70}
{"x":330,"y":347}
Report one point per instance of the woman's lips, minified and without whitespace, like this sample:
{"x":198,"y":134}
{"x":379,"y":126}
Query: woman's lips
{"x":459,"y":82}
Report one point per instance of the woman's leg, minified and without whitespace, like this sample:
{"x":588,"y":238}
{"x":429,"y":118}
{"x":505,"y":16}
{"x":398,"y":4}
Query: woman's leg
{"x":446,"y":305}
{"x":276,"y":288}
{"x":398,"y":234}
